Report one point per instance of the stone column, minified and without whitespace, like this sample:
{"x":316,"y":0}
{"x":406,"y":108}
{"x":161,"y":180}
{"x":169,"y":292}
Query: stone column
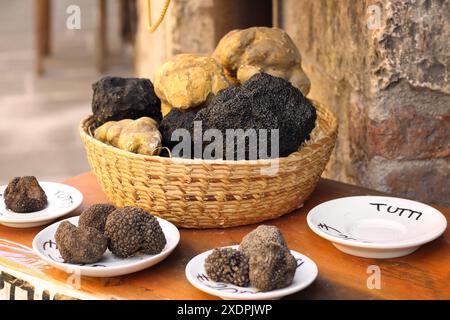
{"x":193,"y":26}
{"x":383,"y":67}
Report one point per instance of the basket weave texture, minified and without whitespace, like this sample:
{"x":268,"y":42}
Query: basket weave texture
{"x":212,"y":193}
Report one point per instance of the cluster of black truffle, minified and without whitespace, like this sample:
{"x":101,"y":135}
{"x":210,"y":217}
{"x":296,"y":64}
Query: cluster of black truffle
{"x":125,"y":232}
{"x":263,"y":261}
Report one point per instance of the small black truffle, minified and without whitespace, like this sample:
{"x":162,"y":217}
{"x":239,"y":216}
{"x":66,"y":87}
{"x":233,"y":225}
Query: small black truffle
{"x":80,"y":245}
{"x":228,"y":265}
{"x":116,"y":98}
{"x":263,"y":102}
{"x":24,"y":195}
{"x":95,"y":216}
{"x":131,"y":230}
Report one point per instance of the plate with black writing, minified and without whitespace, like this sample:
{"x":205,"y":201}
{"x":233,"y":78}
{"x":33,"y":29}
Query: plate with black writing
{"x":305,"y":273}
{"x":376,"y":226}
{"x":61,"y":200}
{"x":44,"y":244}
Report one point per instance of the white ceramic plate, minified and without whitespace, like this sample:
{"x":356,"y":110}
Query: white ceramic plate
{"x":305,"y":274}
{"x":110,"y":266}
{"x":62,"y":199}
{"x":376,"y":227}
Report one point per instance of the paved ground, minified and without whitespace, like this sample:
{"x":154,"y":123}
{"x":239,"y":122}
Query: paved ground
{"x":39,"y":116}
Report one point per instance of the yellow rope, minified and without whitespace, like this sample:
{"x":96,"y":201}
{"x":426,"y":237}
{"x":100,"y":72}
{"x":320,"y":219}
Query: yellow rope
{"x":152,"y":27}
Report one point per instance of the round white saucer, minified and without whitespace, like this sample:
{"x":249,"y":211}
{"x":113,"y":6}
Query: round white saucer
{"x":62,"y":199}
{"x":44,"y":245}
{"x":375,"y":226}
{"x":305,"y":274}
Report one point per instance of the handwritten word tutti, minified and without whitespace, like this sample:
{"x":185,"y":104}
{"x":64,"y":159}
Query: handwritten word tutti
{"x":384,"y":207}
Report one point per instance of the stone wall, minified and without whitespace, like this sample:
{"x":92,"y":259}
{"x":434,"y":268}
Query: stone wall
{"x":383,"y":67}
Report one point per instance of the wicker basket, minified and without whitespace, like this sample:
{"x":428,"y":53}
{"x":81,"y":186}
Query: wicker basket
{"x":212,"y":193}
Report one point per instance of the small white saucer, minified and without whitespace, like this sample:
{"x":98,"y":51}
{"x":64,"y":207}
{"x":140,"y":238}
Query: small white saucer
{"x":305,"y":274}
{"x":376,"y":227}
{"x":62,"y":199}
{"x":110,"y":266}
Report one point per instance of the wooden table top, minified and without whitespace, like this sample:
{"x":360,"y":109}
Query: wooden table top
{"x":424,"y":274}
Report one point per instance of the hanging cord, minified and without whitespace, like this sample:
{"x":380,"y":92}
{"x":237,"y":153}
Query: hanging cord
{"x":152,"y":27}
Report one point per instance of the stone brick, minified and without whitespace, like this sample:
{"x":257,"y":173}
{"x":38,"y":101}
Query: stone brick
{"x":389,"y":86}
{"x":421,"y":180}
{"x":408,"y":135}
{"x":414,"y":45}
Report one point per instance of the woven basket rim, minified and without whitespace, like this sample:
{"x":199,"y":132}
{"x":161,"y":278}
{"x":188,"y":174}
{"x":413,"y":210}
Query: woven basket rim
{"x":301,"y":152}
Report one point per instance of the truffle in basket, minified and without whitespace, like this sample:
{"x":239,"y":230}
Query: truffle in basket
{"x":117,"y":98}
{"x":187,"y":80}
{"x":174,"y":120}
{"x":266,"y":103}
{"x":138,"y":136}
{"x":24,"y":195}
{"x":261,"y":49}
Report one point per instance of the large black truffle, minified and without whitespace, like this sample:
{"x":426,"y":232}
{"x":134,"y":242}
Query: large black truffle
{"x":95,"y":216}
{"x":80,"y":245}
{"x":263,"y":102}
{"x":116,"y":98}
{"x":228,"y":265}
{"x":24,"y":195}
{"x":131,"y":230}
{"x":271,"y":264}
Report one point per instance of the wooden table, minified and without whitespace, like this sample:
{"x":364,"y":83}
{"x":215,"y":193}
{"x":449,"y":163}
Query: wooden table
{"x":424,"y":274}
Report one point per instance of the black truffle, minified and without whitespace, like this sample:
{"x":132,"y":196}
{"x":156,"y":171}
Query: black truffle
{"x":24,"y":195}
{"x":131,"y":230}
{"x":80,"y":245}
{"x":174,"y":120}
{"x":263,"y":102}
{"x":116,"y":98}
{"x":261,"y":236}
{"x":271,"y":264}
{"x":228,"y":265}
{"x":95,"y":216}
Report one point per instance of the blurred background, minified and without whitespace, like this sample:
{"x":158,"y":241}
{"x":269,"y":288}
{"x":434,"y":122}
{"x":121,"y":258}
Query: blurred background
{"x":381,"y":66}
{"x":42,"y":99}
